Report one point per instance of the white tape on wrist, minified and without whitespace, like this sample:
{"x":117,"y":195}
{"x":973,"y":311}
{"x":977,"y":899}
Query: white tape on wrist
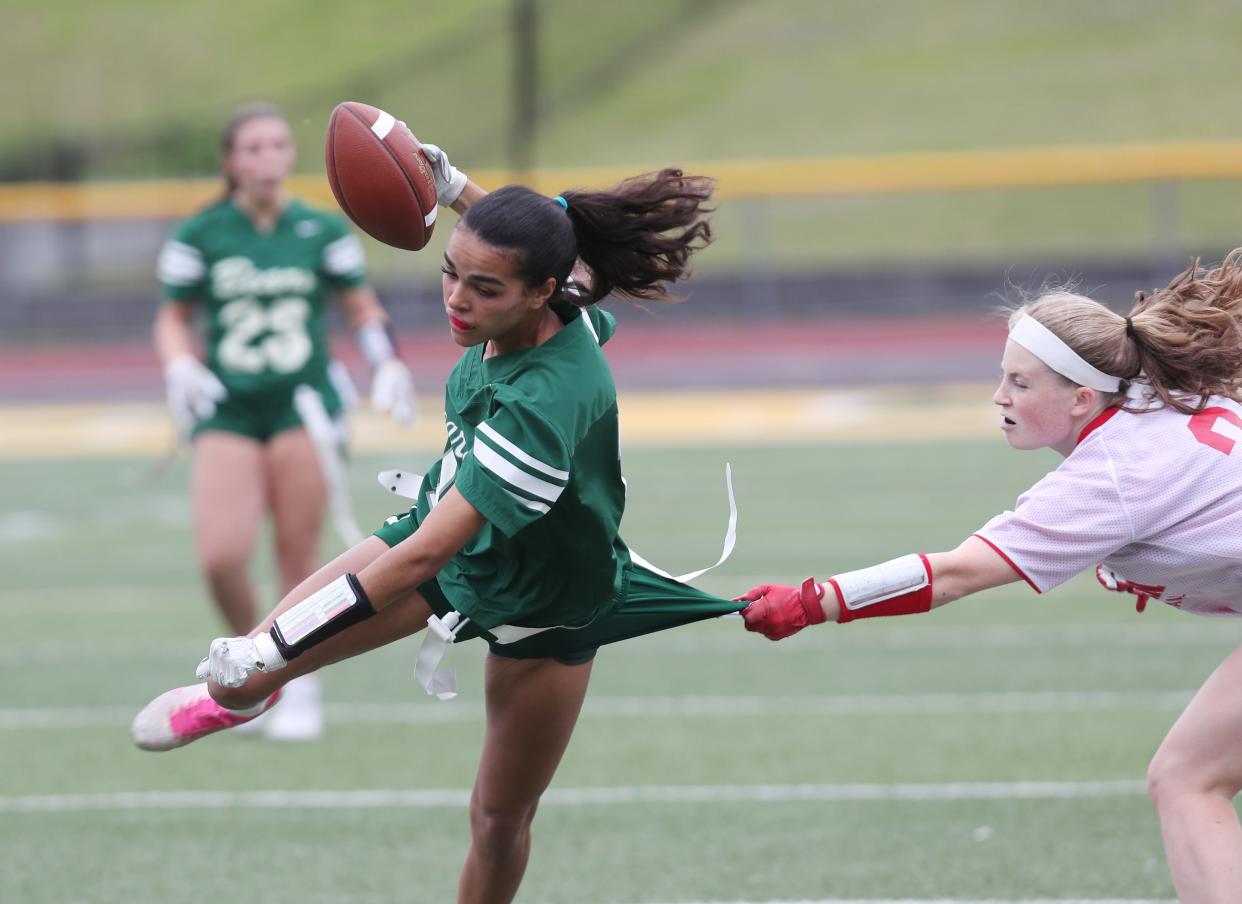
{"x":269,"y":653}
{"x":316,"y":610}
{"x":867,"y":586}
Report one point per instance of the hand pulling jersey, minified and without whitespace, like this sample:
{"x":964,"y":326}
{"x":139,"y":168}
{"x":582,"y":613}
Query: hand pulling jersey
{"x":1156,"y":496}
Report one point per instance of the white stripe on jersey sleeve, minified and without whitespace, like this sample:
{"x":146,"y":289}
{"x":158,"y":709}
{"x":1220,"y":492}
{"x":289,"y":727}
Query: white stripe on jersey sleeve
{"x":180,"y":264}
{"x":344,"y":256}
{"x":512,"y":475}
{"x":531,"y":504}
{"x":526,"y":459}
{"x":586,"y":318}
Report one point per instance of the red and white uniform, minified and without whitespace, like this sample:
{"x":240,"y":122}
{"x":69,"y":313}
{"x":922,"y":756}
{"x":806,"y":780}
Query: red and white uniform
{"x":1157,"y":497}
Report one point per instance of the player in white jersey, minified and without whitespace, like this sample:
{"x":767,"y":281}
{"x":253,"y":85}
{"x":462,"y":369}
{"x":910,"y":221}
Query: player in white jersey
{"x":1145,"y":410}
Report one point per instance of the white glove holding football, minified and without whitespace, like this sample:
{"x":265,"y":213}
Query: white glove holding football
{"x":192,"y":391}
{"x":450,"y":181}
{"x":392,"y":390}
{"x":230,"y":660}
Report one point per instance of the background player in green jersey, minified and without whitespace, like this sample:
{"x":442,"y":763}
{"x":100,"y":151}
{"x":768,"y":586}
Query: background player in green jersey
{"x":261,"y":266}
{"x":515,"y":534}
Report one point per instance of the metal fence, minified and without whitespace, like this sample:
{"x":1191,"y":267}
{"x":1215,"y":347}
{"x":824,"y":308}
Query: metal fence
{"x":795,"y":238}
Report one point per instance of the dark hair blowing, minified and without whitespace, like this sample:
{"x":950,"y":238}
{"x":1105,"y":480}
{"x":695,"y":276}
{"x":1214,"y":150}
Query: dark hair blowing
{"x":1185,"y":340}
{"x":635,"y":238}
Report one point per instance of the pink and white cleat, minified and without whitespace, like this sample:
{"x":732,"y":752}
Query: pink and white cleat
{"x":185,"y":714}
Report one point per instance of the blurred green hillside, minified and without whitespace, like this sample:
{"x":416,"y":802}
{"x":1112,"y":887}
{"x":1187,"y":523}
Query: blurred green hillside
{"x":140,"y":88}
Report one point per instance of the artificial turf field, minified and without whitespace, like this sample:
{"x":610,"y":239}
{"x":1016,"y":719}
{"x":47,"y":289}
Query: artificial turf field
{"x":994,"y":750}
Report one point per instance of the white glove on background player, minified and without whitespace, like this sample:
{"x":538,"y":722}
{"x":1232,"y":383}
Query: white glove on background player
{"x":192,"y":391}
{"x":230,"y":660}
{"x":450,"y":181}
{"x":392,"y":387}
{"x":392,"y":390}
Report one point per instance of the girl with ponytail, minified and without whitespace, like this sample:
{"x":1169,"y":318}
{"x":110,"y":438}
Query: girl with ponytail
{"x":1145,"y":409}
{"x":514,"y":536}
{"x":262,"y":405}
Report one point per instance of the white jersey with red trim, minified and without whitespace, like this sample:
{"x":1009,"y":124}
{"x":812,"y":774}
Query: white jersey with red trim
{"x":1157,"y":497}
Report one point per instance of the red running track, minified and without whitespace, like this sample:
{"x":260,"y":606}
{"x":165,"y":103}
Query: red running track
{"x":729,"y":355}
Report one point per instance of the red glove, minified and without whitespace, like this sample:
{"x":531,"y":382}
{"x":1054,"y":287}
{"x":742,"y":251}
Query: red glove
{"x":1110,"y":580}
{"x":777,"y":611}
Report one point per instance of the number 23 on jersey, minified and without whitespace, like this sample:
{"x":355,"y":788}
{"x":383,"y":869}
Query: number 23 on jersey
{"x":260,"y":337}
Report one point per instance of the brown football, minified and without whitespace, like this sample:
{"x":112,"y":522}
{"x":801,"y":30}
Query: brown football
{"x":380,"y":176}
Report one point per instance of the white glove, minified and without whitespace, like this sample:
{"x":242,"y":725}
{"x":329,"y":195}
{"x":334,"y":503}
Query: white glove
{"x":192,"y":391}
{"x":230,"y":660}
{"x":392,"y":390}
{"x":450,"y":181}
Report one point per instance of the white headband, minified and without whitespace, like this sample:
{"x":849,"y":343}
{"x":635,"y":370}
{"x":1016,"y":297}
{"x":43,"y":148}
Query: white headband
{"x":1048,"y":347}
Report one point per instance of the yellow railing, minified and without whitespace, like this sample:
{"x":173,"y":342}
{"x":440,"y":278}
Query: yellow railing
{"x":766,"y":178}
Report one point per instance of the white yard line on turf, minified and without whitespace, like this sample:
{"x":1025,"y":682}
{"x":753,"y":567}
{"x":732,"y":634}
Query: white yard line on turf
{"x":689,"y":706}
{"x":974,"y":638}
{"x":380,"y":798}
{"x":715,"y":640}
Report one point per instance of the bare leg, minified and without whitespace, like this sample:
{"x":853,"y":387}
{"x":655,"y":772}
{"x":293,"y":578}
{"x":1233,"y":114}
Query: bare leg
{"x":532,"y":706}
{"x":182,"y":715}
{"x":299,"y":502}
{"x":1192,"y":781}
{"x":396,"y":620}
{"x":229,"y":493}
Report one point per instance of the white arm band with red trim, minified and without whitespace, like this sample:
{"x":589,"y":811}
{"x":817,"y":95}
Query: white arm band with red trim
{"x":898,"y":587}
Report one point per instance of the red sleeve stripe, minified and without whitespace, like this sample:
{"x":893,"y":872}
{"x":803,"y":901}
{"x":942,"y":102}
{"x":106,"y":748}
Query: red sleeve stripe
{"x":1008,"y":561}
{"x":927,"y":567}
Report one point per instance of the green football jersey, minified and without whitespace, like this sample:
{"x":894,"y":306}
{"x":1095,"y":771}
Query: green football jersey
{"x":533,"y":445}
{"x":264,"y":293}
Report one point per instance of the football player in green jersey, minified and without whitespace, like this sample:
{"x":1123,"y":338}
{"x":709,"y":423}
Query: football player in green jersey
{"x":514,"y":537}
{"x":261,"y":266}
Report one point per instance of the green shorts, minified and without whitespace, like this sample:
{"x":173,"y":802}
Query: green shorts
{"x":652,"y":603}
{"x":261,"y":415}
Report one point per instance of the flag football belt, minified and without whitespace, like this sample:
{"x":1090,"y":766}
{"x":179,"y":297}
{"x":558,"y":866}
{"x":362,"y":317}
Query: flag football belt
{"x":441,"y":681}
